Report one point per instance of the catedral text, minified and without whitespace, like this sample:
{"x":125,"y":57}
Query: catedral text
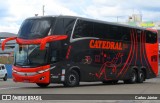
{"x":105,"y":44}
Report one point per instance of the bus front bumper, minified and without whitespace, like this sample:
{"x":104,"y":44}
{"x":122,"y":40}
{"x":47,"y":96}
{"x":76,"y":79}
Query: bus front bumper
{"x":38,"y":78}
{"x":31,"y":75}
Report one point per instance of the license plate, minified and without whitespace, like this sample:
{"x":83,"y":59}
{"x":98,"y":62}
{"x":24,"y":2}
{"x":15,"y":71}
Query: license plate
{"x":26,"y":81}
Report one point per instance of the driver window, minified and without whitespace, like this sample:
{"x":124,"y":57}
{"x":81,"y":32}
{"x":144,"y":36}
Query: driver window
{"x":55,"y":51}
{"x":54,"y":56}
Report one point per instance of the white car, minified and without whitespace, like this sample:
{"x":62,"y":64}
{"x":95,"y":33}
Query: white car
{"x":3,"y":72}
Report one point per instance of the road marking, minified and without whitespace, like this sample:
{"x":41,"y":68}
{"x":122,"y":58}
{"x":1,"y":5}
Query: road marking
{"x":10,"y":88}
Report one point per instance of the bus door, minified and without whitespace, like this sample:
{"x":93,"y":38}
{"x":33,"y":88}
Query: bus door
{"x":56,"y":58}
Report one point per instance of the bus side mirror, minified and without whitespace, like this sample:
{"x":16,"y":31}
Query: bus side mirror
{"x":51,"y":39}
{"x":6,"y":40}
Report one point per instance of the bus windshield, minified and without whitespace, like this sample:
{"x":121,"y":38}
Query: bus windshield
{"x":35,"y":28}
{"x":30,"y":55}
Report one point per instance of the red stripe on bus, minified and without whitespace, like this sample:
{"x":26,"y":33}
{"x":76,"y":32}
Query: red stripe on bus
{"x":51,"y":39}
{"x":143,"y":49}
{"x":130,"y":52}
{"x":141,"y":43}
{"x":136,"y":44}
{"x":133,"y":51}
{"x":68,"y":52}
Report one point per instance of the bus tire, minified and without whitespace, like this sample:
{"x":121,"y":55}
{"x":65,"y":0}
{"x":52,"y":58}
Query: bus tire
{"x":141,"y":77}
{"x":133,"y":77}
{"x":42,"y":85}
{"x":71,"y":79}
{"x":5,"y":77}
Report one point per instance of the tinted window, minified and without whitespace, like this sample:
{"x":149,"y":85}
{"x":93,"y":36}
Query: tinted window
{"x":111,"y":32}
{"x":68,"y":25}
{"x":125,"y":34}
{"x":63,"y":26}
{"x":54,"y":56}
{"x":58,"y":28}
{"x":83,"y":29}
{"x":115,"y":32}
{"x":34,"y":28}
{"x":56,"y":51}
{"x":30,"y":55}
{"x":151,"y":37}
{"x":3,"y":68}
{"x":101,"y":30}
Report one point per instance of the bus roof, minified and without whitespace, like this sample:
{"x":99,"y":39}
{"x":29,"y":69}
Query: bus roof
{"x":94,"y":20}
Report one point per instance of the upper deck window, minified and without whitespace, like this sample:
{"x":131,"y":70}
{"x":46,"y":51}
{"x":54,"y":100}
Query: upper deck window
{"x":63,"y":26}
{"x":35,"y":28}
{"x":151,"y":37}
{"x":83,"y":29}
{"x":100,"y":30}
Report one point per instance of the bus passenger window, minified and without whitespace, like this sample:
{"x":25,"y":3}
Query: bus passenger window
{"x":68,"y":25}
{"x":83,"y":29}
{"x":151,"y":37}
{"x":125,"y":34}
{"x":101,"y":30}
{"x":58,"y":28}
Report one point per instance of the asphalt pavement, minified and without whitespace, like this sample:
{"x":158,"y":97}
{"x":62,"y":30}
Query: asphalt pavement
{"x":150,"y":86}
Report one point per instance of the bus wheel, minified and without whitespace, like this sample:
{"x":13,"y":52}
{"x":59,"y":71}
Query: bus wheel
{"x":42,"y":85}
{"x":133,"y":78}
{"x":141,"y":77}
{"x":71,"y":79}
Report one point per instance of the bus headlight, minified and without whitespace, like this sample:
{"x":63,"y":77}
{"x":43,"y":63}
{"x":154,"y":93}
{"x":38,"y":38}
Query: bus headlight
{"x":42,"y":71}
{"x":14,"y":71}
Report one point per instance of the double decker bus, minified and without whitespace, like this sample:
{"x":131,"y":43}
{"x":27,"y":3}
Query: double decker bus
{"x":66,"y":49}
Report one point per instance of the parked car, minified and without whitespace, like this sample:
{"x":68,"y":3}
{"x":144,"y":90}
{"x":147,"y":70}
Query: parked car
{"x":3,"y":72}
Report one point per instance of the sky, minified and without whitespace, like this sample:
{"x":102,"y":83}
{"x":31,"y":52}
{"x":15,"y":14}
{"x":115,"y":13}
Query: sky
{"x":14,"y":12}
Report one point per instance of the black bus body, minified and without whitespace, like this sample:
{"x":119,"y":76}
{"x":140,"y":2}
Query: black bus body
{"x":66,"y":49}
